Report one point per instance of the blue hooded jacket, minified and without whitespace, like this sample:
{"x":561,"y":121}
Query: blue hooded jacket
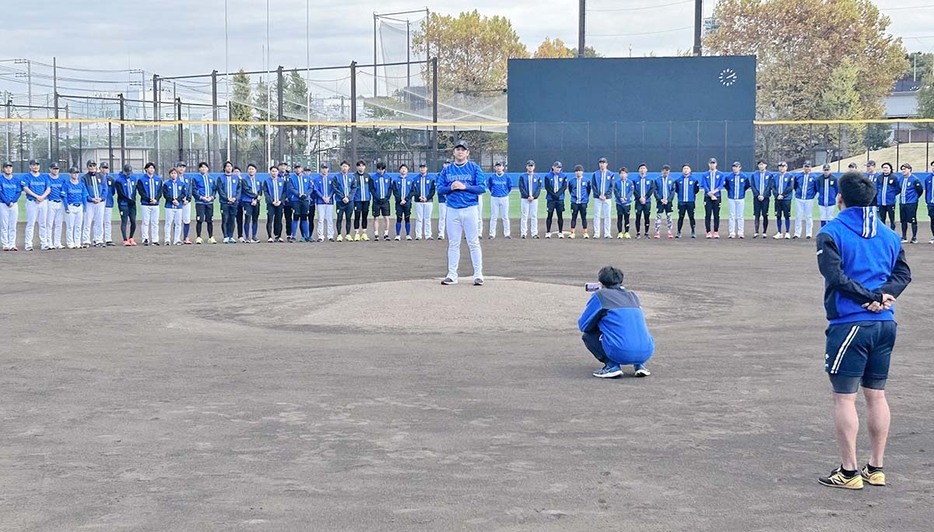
{"x":860,"y":259}
{"x":616,"y":313}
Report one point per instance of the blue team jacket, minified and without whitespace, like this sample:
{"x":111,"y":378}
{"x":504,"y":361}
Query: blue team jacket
{"x":687,"y":188}
{"x":644,"y":187}
{"x":886,"y":189}
{"x":664,"y":188}
{"x":469,"y":174}
{"x":860,"y":259}
{"x":362,"y":193}
{"x":806,"y":186}
{"x":403,"y":188}
{"x":602,"y":183}
{"x":37,"y":184}
{"x":299,"y":185}
{"x":555,"y":185}
{"x":736,"y":185}
{"x":425,"y":187}
{"x":530,"y":185}
{"x":616,"y":313}
{"x":624,"y":191}
{"x":380,"y":187}
{"x":929,"y":189}
{"x":250,"y":189}
{"x":783,"y":185}
{"x":75,"y":194}
{"x":11,"y":189}
{"x":149,"y":188}
{"x":827,"y":191}
{"x":580,"y":190}
{"x":174,"y":190}
{"x":761,"y":184}
{"x":125,"y":185}
{"x":203,"y":185}
{"x":500,"y":185}
{"x":712,"y":180}
{"x":344,"y":185}
{"x":96,"y":185}
{"x":110,"y":189}
{"x":274,"y":190}
{"x":911,"y":189}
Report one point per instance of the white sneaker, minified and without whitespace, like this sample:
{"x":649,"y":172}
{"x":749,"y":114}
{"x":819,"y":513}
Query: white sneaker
{"x":560,"y":235}
{"x":547,"y":235}
{"x":778,"y":236}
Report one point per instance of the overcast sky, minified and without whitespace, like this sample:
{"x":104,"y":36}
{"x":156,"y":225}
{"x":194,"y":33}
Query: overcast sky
{"x":178,"y":37}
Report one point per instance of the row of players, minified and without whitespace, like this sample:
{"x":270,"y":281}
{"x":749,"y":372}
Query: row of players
{"x":87,"y":201}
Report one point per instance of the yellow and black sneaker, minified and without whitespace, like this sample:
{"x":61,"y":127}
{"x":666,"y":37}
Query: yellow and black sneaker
{"x":874,"y":476}
{"x":838,"y":479}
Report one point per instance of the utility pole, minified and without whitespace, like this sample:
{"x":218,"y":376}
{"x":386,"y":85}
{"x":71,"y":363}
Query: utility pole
{"x":581,"y":40}
{"x":698,"y":23}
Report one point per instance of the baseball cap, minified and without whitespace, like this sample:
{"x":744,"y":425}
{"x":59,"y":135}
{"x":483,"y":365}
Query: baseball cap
{"x":530,"y":162}
{"x":666,"y":167}
{"x":423,"y":165}
{"x":7,"y":163}
{"x":870,"y":163}
{"x":92,"y":163}
{"x":782,"y":163}
{"x":296,"y":165}
{"x":462,"y":144}
{"x":578,"y":168}
{"x":497,"y":163}
{"x":557,"y":164}
{"x":32,"y":162}
{"x":712,"y":160}
{"x":53,"y":166}
{"x":128,"y":168}
{"x":807,"y":164}
{"x":602,"y":160}
{"x":182,"y":164}
{"x":324,"y":165}
{"x":851,"y":165}
{"x":73,"y":170}
{"x":105,"y":165}
{"x":737,"y":163}
{"x":826,"y":167}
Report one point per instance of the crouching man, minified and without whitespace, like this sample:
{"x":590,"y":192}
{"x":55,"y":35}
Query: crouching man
{"x":614,"y":327}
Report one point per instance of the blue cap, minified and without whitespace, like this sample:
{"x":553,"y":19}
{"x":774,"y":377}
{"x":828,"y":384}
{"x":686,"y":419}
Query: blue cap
{"x":7,"y":163}
{"x":712,"y":160}
{"x":462,"y":144}
{"x":74,"y":170}
{"x":128,"y":168}
{"x":53,"y":166}
{"x":32,"y":162}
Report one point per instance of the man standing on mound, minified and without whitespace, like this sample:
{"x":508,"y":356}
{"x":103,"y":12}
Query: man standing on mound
{"x":864,"y":270}
{"x":614,"y":327}
{"x":462,"y":182}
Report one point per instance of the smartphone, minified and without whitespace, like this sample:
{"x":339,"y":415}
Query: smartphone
{"x":591,"y":287}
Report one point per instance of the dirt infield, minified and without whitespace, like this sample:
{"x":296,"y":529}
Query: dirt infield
{"x":340,"y":387}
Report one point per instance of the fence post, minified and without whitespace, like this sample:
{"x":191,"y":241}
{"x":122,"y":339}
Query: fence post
{"x":280,"y":94}
{"x":55,"y":154}
{"x":353,"y":112}
{"x":181,"y":129}
{"x":122,"y":130}
{"x":213,"y":132}
{"x":434,"y":111}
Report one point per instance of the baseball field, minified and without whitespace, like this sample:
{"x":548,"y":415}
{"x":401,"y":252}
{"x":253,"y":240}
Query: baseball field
{"x":339,"y":386}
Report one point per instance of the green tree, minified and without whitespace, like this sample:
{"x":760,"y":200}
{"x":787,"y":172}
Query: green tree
{"x":295,"y":107}
{"x":241,"y":110}
{"x":589,"y":51}
{"x":472,"y":50}
{"x":553,"y":49}
{"x":843,"y":72}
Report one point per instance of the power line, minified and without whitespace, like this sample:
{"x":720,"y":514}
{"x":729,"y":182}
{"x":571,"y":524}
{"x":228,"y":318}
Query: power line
{"x":640,"y":34}
{"x":642,"y":8}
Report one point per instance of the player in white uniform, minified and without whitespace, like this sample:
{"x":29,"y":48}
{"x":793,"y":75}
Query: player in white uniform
{"x":462,"y":182}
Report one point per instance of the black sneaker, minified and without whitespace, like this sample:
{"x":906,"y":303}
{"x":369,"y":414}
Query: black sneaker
{"x":447,"y":281}
{"x":478,"y":282}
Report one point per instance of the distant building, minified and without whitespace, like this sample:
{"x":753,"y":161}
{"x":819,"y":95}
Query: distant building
{"x":902,"y":102}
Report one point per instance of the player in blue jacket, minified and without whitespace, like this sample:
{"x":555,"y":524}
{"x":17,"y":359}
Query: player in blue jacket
{"x":344,"y":186}
{"x":75,"y":197}
{"x":149,"y":188}
{"x":299,"y":188}
{"x":783,"y":186}
{"x":36,"y":191}
{"x":805,"y":192}
{"x":462,"y":182}
{"x":251,"y":190}
{"x":826,"y":195}
{"x":664,"y":195}
{"x":204,"y":191}
{"x":228,"y":191}
{"x":174,"y":192}
{"x":614,"y":327}
{"x":403,"y":191}
{"x":643,"y":190}
{"x":361,"y":202}
{"x":274,"y":192}
{"x":556,"y":183}
{"x":887,"y":192}
{"x":761,"y":184}
{"x":530,"y":188}
{"x":686,"y":188}
{"x":125,"y":185}
{"x":324,"y":203}
{"x":579,"y":189}
{"x":711,"y":182}
{"x":864,"y":270}
{"x":182,"y":167}
{"x":736,"y":185}
{"x":56,"y":214}
{"x":11,"y":188}
{"x":624,"y":191}
{"x":381,"y":191}
{"x":911,"y":190}
{"x":602,"y":184}
{"x":500,"y":186}
{"x":424,"y":197}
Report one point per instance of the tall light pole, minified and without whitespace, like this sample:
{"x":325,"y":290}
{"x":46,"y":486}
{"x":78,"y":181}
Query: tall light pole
{"x":227,"y":75}
{"x":582,"y":18}
{"x":29,"y":89}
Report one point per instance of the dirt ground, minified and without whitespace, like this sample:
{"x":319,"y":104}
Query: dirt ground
{"x":340,"y":387}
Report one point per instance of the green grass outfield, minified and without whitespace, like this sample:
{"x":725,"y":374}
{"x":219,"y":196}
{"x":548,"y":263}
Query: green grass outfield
{"x":515,"y":209}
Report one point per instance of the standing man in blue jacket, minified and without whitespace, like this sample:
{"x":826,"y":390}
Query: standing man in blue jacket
{"x":274,"y":192}
{"x":109,"y":190}
{"x":686,"y":187}
{"x":403,"y":191}
{"x":614,"y":327}
{"x":887,"y":192}
{"x":644,"y":189}
{"x":864,"y":270}
{"x":55,"y":216}
{"x":579,"y":189}
{"x":381,"y":190}
{"x":805,"y":192}
{"x":500,"y":186}
{"x":181,"y":167}
{"x":736,"y":185}
{"x":324,"y":204}
{"x":228,"y":190}
{"x":826,"y":195}
{"x":93,"y":225}
{"x":361,"y":201}
{"x":251,"y":190}
{"x":11,"y":188}
{"x":462,"y":182}
{"x":664,"y":194}
{"x":530,"y":188}
{"x":783,"y":185}
{"x":205,"y":190}
{"x":424,"y":203}
{"x":173,"y":190}
{"x":602,"y":183}
{"x":299,"y":189}
{"x":624,"y":191}
{"x":125,"y":184}
{"x":345,"y":188}
{"x":37,"y":208}
{"x":761,"y":185}
{"x":711,"y":182}
{"x":556,"y":183}
{"x":149,"y":188}
{"x":911,"y":191}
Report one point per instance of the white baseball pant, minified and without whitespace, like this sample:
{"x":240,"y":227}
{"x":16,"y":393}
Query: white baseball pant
{"x":442,"y":218}
{"x":804,"y":209}
{"x":73,"y":223}
{"x":9,"y":216}
{"x":423,"y":219}
{"x":463,"y":222}
{"x":826,"y":213}
{"x":499,"y":209}
{"x":324,"y":213}
{"x":173,"y":220}
{"x":149,"y":229}
{"x":529,"y":218}
{"x":53,"y":223}
{"x":36,"y":213}
{"x":737,"y":223}
{"x":601,"y":212}
{"x":108,"y":223}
